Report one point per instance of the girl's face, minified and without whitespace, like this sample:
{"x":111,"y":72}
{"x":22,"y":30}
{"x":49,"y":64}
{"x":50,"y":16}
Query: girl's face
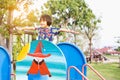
{"x":43,"y":24}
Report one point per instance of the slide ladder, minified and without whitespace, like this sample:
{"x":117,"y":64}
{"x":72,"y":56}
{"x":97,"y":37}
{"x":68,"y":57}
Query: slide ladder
{"x":68,"y":72}
{"x":98,"y":74}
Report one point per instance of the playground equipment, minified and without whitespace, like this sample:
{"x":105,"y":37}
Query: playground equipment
{"x":5,"y":64}
{"x":56,"y":62}
{"x":64,"y":57}
{"x":74,"y":57}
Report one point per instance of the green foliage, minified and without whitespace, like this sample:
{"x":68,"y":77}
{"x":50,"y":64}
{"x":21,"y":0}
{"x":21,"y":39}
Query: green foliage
{"x":17,"y":47}
{"x":75,"y":10}
{"x":4,"y":30}
{"x":8,"y":4}
{"x":72,"y":14}
{"x":64,"y":10}
{"x":27,"y":16}
{"x":118,"y":49}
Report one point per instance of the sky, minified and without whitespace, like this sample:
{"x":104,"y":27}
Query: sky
{"x":109,"y":12}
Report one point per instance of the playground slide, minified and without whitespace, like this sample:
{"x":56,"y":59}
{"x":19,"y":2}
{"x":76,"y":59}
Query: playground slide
{"x":74,"y":57}
{"x":5,"y":64}
{"x":63,"y":55}
{"x":56,"y":63}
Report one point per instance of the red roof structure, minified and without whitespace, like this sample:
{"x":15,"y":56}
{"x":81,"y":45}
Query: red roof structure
{"x":107,"y":50}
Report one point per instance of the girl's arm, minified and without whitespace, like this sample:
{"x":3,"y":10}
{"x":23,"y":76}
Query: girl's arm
{"x":68,"y":31}
{"x":25,"y":28}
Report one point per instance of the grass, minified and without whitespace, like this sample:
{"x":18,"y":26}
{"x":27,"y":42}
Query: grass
{"x":110,"y":71}
{"x":112,"y":56}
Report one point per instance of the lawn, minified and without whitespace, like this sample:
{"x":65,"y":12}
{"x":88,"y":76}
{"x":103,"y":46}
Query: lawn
{"x":112,"y":56}
{"x":110,"y":71}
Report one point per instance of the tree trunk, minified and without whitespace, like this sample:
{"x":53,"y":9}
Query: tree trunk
{"x":2,"y":41}
{"x":90,"y":49}
{"x":10,"y":44}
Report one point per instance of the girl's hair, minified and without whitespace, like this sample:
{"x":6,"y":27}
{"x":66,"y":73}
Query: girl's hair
{"x":46,"y":18}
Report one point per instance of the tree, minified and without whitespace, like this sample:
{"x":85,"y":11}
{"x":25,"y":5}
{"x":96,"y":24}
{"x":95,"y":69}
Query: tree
{"x":73,"y":14}
{"x":90,"y":32}
{"x":89,"y":26}
{"x":8,"y":22}
{"x":66,"y":13}
{"x":118,"y":49}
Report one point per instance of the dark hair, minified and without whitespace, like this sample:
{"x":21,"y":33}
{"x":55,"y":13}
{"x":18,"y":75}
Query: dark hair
{"x":46,"y":18}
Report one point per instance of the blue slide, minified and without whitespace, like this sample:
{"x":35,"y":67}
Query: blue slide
{"x":74,"y":57}
{"x":5,"y":65}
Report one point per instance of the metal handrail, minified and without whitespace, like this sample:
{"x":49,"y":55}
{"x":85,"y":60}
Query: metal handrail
{"x":93,"y":71}
{"x":68,"y":72}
